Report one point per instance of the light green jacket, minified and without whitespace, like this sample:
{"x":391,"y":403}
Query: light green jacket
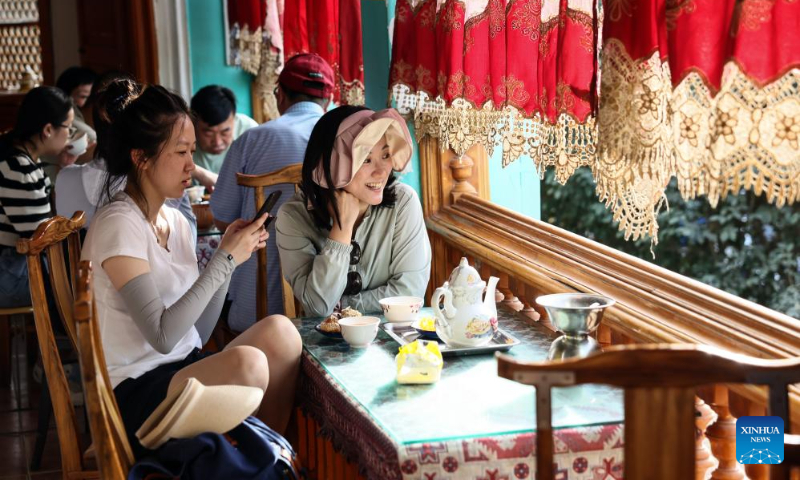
{"x":395,"y":258}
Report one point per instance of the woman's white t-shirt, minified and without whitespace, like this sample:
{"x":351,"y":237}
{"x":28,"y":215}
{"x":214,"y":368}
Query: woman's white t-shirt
{"x":120,"y":229}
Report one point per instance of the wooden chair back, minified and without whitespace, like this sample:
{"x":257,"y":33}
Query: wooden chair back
{"x":660,"y":382}
{"x":113,"y":452}
{"x":50,"y":238}
{"x":292,"y":174}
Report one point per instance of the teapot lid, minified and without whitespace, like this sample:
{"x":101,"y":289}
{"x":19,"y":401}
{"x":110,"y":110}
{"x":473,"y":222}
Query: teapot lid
{"x":464,"y":275}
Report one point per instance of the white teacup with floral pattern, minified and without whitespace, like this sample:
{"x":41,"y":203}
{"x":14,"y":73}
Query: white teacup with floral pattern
{"x":401,"y":309}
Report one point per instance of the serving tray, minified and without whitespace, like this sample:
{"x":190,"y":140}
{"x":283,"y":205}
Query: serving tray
{"x":405,"y":333}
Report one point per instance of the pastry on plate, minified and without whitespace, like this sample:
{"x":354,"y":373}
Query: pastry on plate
{"x":350,"y":312}
{"x":331,"y":324}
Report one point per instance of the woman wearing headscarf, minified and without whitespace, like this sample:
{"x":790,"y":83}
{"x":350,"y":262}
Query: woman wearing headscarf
{"x":354,"y":235}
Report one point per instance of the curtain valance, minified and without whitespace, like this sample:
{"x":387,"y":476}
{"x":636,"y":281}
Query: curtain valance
{"x":707,"y":91}
{"x":704,"y":90}
{"x":521,"y":74}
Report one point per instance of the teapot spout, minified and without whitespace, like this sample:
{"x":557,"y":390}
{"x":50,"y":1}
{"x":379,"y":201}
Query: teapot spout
{"x":488,"y":300}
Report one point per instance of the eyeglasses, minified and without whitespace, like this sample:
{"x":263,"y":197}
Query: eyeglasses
{"x":354,"y":278}
{"x":70,"y":130}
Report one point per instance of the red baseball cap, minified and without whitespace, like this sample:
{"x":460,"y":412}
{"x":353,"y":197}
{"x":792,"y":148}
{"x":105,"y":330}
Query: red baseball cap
{"x":307,"y":73}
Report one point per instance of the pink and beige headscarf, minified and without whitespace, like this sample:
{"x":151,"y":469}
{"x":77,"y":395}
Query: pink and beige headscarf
{"x":356,"y":136}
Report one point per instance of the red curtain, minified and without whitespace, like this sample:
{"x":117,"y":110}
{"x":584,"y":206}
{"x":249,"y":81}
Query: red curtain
{"x":331,"y":29}
{"x":245,"y":40}
{"x":521,"y":74}
{"x":250,"y":13}
{"x":704,"y":90}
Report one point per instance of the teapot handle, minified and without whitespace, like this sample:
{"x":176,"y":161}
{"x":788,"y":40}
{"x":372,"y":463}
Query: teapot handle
{"x":449,"y":310}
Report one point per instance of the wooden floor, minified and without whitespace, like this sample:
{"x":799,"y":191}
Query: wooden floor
{"x":19,"y":401}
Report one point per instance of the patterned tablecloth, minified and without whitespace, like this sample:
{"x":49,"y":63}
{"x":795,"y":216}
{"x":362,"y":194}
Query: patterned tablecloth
{"x":470,"y":425}
{"x":207,"y":243}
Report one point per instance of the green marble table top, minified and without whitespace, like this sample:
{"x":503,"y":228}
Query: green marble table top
{"x":469,"y":400}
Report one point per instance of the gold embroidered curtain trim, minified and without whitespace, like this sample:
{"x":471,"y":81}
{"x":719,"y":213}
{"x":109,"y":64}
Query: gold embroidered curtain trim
{"x":492,"y":72}
{"x":353,"y":92}
{"x":745,"y":136}
{"x":248,"y":48}
{"x":564,"y":145}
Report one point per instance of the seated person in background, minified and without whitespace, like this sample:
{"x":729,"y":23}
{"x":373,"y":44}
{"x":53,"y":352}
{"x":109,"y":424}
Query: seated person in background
{"x":305,"y":86}
{"x":217,"y":125}
{"x":80,"y":187}
{"x":154,"y":310}
{"x":354,"y":235}
{"x":43,"y":125}
{"x":76,"y":83}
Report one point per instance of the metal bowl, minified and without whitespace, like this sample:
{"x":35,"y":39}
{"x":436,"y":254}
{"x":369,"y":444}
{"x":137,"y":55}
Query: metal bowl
{"x":575,"y":314}
{"x":565,"y":347}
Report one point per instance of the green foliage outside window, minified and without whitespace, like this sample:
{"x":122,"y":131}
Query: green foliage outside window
{"x":745,"y":246}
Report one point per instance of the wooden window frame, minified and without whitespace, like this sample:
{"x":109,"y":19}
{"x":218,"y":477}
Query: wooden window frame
{"x":654,"y":305}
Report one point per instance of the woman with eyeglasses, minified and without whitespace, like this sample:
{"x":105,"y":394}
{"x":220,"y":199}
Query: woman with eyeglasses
{"x":42,"y":128}
{"x":354,"y":235}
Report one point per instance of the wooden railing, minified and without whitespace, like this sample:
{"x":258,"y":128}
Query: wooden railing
{"x":534,"y":258}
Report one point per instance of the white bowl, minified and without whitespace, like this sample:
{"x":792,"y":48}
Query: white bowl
{"x":196,"y":193}
{"x":359,"y":332}
{"x":401,"y":309}
{"x":78,"y":145}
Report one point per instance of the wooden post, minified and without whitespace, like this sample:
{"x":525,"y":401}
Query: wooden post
{"x":461,"y":171}
{"x":499,"y":296}
{"x":504,"y":285}
{"x":432,"y":177}
{"x":722,"y":435}
{"x":262,"y":302}
{"x":703,"y":459}
{"x":446,"y":176}
{"x":757,"y":472}
{"x":527,"y":299}
{"x":439,"y":264}
{"x":257,"y":102}
{"x":604,"y":336}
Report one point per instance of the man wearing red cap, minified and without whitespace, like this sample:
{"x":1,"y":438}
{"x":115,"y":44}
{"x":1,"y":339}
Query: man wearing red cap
{"x":304,"y":90}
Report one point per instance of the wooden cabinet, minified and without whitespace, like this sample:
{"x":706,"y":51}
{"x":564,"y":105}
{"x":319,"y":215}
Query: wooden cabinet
{"x":118,"y":35}
{"x":11,"y":100}
{"x":9,"y":104}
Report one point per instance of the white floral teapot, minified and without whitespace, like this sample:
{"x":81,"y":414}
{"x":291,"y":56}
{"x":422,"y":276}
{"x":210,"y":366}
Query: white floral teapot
{"x":468,"y":320}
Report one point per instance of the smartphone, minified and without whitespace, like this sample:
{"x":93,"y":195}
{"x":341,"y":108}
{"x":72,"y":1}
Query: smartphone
{"x":269,"y":204}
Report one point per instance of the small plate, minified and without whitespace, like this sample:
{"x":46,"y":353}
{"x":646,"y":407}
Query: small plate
{"x":335,"y":335}
{"x":431,"y":335}
{"x":404,"y":335}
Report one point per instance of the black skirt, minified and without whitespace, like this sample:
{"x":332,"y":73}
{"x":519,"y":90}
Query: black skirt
{"x":138,"y":397}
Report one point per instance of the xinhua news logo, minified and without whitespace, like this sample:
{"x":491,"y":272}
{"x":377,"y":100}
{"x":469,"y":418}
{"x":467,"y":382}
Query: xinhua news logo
{"x":759,"y":440}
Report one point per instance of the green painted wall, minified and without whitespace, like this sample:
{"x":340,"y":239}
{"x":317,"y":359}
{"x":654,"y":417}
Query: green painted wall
{"x":207,"y":52}
{"x":377,"y":52}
